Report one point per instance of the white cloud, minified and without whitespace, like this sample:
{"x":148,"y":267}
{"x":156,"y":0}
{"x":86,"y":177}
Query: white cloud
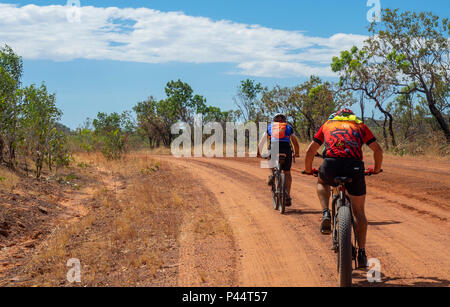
{"x":150,"y":36}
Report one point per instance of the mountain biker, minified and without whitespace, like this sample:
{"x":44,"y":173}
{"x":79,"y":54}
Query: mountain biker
{"x":281,"y":133}
{"x":344,"y":135}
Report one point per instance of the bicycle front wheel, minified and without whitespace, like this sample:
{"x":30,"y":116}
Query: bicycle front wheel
{"x":345,"y":246}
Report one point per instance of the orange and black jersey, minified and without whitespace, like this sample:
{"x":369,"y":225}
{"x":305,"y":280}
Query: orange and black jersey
{"x":344,"y":139}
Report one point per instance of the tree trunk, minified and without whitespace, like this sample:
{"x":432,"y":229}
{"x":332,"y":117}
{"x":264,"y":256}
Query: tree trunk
{"x":391,"y":130}
{"x":150,"y":142}
{"x":12,"y":155}
{"x":391,"y":120}
{"x":386,"y":141}
{"x":440,"y":119}
{"x":361,"y":105}
{"x":50,"y":162}
{"x":26,"y":164}
{"x":2,"y":147}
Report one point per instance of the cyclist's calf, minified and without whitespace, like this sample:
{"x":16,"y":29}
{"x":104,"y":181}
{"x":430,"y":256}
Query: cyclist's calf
{"x":288,"y":181}
{"x":358,"y":203}
{"x":324,"y":193}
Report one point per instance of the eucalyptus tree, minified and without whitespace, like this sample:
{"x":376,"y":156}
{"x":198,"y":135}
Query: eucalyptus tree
{"x":360,"y":70}
{"x":247,"y":100}
{"x":11,"y":70}
{"x":39,"y":120}
{"x":415,"y":47}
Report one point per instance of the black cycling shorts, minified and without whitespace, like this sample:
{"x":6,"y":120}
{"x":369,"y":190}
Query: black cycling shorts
{"x":343,"y":167}
{"x":285,"y":148}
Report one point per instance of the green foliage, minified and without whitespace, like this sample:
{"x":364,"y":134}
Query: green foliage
{"x":416,"y":48}
{"x":107,"y":122}
{"x":307,"y":105}
{"x":11,"y":70}
{"x":28,"y":119}
{"x":406,"y":50}
{"x":71,"y":177}
{"x":39,"y":119}
{"x":59,"y":154}
{"x":83,"y":165}
{"x":150,"y":169}
{"x":360,"y":71}
{"x":247,"y":100}
{"x":155,"y":118}
{"x":87,"y":142}
{"x":151,"y":123}
{"x":108,"y":133}
{"x":114,"y":144}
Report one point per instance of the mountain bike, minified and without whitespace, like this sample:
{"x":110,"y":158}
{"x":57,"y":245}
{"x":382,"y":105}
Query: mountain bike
{"x":342,"y":226}
{"x":279,"y":192}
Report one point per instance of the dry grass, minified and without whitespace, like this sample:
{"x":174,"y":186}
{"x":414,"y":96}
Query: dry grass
{"x":436,"y":151}
{"x":8,"y":179}
{"x":130,"y":227}
{"x":212,"y":225}
{"x":164,"y":151}
{"x":132,"y":232}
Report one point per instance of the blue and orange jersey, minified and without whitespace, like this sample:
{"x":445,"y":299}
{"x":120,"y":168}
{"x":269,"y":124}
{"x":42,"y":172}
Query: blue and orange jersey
{"x":279,"y":132}
{"x":344,"y":138}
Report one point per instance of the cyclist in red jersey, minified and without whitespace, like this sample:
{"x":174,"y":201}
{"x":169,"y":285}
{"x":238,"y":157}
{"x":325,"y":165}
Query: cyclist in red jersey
{"x":343,"y":136}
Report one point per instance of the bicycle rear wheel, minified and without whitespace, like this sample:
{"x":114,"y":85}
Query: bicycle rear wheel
{"x":345,"y":246}
{"x":282,"y":193}
{"x":275,"y":201}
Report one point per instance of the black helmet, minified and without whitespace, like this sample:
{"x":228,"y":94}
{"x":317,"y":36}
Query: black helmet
{"x":279,"y":117}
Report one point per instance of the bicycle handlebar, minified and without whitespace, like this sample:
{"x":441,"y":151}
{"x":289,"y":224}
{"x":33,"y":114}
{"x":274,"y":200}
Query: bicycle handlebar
{"x":368,"y":172}
{"x":315,"y":172}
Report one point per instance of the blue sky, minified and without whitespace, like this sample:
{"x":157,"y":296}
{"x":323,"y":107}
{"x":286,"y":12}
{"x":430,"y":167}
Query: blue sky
{"x":113,"y":58}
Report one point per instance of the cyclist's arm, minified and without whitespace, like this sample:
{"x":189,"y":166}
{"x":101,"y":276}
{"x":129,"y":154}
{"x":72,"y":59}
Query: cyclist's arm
{"x":377,"y":156}
{"x":310,"y":153}
{"x":295,"y":145}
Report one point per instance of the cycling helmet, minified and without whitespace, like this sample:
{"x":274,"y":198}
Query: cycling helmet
{"x":344,"y":112}
{"x":345,"y":115}
{"x":279,"y":117}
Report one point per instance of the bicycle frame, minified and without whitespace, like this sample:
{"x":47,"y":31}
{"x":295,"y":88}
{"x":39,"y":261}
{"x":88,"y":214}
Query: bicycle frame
{"x":277,"y":198}
{"x":340,"y":199}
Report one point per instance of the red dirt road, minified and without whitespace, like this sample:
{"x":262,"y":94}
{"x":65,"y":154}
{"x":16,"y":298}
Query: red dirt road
{"x":407,"y":211}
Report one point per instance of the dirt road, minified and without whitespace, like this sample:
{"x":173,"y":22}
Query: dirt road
{"x":407,"y":210}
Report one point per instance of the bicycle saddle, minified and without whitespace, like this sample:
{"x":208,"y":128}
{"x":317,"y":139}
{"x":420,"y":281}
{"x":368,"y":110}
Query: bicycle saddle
{"x":343,"y":180}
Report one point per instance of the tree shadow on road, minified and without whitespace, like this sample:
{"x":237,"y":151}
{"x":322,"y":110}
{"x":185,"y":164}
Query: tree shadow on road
{"x":360,"y":280}
{"x":301,"y":212}
{"x":382,"y":223}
